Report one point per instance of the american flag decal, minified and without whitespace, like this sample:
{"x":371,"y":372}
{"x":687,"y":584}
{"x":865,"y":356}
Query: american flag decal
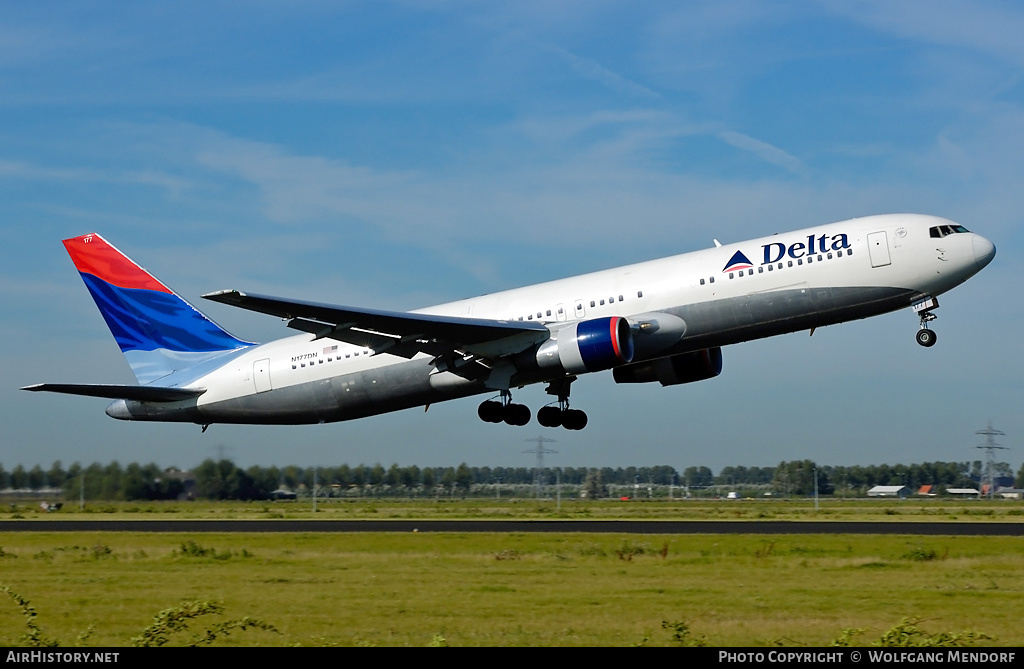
{"x":330,"y":349}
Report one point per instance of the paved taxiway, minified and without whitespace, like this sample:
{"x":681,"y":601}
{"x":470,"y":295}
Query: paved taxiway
{"x":563,"y":526}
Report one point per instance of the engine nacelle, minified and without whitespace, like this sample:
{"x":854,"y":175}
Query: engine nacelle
{"x":682,"y":368}
{"x":588,"y":346}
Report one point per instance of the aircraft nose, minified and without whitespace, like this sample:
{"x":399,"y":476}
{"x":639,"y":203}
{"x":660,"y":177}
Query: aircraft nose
{"x":984,"y":251}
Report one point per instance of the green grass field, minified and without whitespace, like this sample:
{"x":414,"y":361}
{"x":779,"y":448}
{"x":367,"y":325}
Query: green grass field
{"x":858,"y":509}
{"x":463,"y":589}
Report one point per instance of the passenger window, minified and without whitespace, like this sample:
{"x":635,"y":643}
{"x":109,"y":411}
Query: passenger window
{"x":760,"y":270}
{"x":602,"y":303}
{"x":790,"y":263}
{"x":639,"y":293}
{"x":702,"y":282}
{"x":620,"y":298}
{"x":829,"y":256}
{"x":592,"y":303}
{"x":730,"y":275}
{"x":800,"y":261}
{"x":549,"y":312}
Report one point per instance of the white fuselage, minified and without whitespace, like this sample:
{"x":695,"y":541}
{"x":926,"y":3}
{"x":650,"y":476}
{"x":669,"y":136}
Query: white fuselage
{"x":735,"y":292}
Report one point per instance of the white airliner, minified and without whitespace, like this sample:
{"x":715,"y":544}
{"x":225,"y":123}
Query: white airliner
{"x":661,"y":321}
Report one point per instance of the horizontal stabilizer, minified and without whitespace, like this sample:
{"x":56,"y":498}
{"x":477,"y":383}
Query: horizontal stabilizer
{"x":118,"y":392}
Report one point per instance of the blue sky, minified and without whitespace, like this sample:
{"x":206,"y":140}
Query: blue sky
{"x":401,"y":154}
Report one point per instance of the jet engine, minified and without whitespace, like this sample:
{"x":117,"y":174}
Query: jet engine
{"x":588,"y":346}
{"x":676,"y":369}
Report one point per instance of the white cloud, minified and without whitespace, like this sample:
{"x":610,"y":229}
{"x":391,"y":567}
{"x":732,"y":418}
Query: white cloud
{"x":986,"y":27}
{"x":763,"y":150}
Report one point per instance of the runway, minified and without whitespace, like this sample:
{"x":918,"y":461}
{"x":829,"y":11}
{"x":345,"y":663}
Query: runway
{"x":521,"y":526}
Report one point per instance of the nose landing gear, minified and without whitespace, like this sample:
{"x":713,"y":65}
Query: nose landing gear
{"x":923,"y":308}
{"x":926,"y":337}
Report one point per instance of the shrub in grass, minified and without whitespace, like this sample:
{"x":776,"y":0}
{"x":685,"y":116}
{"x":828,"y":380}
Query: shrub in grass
{"x":173,"y":620}
{"x":34,"y":637}
{"x":907,"y":634}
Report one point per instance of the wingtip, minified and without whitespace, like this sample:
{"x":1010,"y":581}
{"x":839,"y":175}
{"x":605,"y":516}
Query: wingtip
{"x":219,"y":295}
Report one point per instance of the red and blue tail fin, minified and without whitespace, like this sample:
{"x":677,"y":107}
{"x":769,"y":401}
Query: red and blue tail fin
{"x":159,"y":332}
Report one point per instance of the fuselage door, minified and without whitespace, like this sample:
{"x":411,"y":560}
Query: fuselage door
{"x":261,"y":375}
{"x":878,"y":249}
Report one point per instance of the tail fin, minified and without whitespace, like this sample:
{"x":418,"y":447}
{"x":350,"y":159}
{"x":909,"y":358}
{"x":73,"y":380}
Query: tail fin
{"x":159,"y":332}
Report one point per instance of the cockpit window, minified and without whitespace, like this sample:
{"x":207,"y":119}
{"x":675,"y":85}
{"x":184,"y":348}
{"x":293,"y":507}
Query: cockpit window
{"x":940,"y":231}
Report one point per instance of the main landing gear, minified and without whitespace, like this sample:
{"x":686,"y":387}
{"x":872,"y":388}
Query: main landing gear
{"x":924,"y":308}
{"x":493,"y":411}
{"x":504,"y":411}
{"x":561,"y":415}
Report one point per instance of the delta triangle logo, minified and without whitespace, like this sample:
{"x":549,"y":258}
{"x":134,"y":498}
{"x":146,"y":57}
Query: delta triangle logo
{"x":738,"y":262}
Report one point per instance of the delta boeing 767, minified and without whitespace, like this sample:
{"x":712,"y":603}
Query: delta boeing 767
{"x":663,"y":321}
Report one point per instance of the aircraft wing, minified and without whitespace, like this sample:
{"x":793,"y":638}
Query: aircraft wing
{"x":118,"y":392}
{"x":396,"y":332}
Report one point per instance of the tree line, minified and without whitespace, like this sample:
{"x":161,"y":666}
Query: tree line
{"x":224,"y":480}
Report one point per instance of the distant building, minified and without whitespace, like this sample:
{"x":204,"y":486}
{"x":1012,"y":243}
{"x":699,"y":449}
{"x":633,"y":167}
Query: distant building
{"x":964,"y":492}
{"x":927,"y":491}
{"x":900,"y":491}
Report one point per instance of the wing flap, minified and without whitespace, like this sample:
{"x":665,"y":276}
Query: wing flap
{"x":119,"y":392}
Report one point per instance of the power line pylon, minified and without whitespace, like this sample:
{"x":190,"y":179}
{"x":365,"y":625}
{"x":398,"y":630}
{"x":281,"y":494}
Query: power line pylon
{"x":540,"y":451}
{"x":990,"y":447}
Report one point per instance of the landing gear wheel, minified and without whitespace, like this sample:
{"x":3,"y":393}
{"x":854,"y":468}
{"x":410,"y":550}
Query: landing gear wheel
{"x":574,"y":419}
{"x":926,"y":337}
{"x":490,"y":411}
{"x":516,"y":414}
{"x":549,"y":416}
